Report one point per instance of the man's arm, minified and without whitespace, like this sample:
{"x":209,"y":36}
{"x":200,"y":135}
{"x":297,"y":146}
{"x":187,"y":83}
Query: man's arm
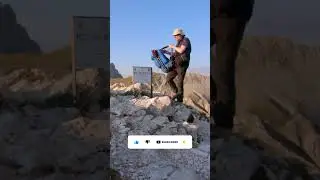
{"x":184,"y":44}
{"x":180,"y":49}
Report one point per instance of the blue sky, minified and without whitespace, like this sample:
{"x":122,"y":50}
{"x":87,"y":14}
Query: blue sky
{"x":139,"y":26}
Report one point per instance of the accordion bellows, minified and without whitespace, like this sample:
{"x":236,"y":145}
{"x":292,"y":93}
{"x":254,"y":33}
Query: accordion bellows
{"x":161,"y":61}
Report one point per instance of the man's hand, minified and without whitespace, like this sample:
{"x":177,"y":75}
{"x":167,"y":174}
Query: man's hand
{"x":172,"y":46}
{"x":166,"y":52}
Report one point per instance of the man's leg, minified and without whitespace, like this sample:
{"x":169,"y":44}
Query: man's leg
{"x":228,"y":33}
{"x":181,"y":70}
{"x":169,"y":80}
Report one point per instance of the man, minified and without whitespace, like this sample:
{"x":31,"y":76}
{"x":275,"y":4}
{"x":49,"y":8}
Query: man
{"x":181,"y":58}
{"x":228,"y":22}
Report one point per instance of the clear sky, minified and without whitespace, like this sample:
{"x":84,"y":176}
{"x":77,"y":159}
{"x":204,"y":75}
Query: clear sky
{"x":139,"y":26}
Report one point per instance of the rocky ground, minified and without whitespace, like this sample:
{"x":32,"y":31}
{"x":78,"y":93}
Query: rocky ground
{"x":52,"y":143}
{"x":256,"y":150}
{"x":134,"y":115}
{"x":44,"y":136}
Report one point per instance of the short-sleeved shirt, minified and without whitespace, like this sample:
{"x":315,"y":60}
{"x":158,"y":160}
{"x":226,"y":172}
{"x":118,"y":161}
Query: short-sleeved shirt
{"x":186,"y":42}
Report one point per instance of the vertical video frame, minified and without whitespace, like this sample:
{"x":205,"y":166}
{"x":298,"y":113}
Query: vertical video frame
{"x":160,"y":89}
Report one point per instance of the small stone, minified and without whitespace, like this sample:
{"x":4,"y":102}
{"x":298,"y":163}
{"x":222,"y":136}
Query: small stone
{"x":160,"y":120}
{"x":140,"y":113}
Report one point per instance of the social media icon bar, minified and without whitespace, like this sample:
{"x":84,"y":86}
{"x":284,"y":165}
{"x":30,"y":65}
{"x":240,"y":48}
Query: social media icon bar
{"x":160,"y":142}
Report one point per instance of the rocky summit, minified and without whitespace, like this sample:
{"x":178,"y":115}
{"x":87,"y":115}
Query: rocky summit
{"x":249,"y":153}
{"x":135,"y":114}
{"x":43,"y":135}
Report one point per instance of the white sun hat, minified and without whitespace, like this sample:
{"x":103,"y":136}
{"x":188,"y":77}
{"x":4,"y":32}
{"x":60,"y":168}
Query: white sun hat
{"x":177,"y":32}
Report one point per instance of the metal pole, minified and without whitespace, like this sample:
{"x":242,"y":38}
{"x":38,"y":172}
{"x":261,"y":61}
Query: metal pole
{"x":74,"y":73}
{"x":151,"y":84}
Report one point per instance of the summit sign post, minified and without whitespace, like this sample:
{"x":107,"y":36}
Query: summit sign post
{"x":143,"y":75}
{"x":90,"y":44}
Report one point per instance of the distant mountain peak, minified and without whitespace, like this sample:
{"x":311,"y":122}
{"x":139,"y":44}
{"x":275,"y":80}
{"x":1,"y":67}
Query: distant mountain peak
{"x":114,"y":73}
{"x":13,"y":36}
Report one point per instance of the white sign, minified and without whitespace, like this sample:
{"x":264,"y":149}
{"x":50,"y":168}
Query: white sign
{"x":142,"y":74}
{"x":91,"y":42}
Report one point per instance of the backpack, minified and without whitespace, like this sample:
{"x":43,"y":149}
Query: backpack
{"x":161,"y":61}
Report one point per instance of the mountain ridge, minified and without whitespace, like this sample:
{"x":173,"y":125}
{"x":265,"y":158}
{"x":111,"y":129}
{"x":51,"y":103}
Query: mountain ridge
{"x":13,"y":37}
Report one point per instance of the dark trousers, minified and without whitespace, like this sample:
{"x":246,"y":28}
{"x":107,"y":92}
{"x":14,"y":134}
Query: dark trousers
{"x":179,"y":71}
{"x":228,"y":33}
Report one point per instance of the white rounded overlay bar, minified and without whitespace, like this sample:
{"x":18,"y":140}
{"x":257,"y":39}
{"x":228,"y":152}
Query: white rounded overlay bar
{"x":160,"y":142}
